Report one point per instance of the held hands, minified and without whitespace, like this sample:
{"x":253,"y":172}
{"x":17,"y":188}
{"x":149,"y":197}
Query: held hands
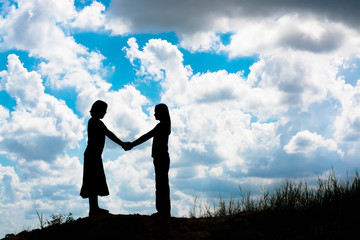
{"x":127,"y":146}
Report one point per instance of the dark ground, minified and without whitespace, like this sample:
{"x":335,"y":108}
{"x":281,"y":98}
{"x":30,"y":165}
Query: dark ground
{"x":294,"y":225}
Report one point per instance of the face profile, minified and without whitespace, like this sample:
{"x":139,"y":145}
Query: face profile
{"x":98,"y":109}
{"x":161,"y":112}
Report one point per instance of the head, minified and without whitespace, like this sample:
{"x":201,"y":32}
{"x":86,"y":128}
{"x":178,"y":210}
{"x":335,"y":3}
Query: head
{"x":162,"y":114}
{"x":98,"y":109}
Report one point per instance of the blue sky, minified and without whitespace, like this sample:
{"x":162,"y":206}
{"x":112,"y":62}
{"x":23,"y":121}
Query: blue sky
{"x":257,"y":93}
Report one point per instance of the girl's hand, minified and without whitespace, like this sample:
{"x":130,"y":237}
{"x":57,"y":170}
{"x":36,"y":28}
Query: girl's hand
{"x":127,"y":146}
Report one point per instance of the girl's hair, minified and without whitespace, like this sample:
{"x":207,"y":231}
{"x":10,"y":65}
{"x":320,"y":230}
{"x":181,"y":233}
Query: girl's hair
{"x":164,"y":115}
{"x":99,"y":107}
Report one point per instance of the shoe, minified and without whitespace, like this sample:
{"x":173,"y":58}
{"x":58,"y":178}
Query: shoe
{"x":160,"y":215}
{"x":98,"y":212}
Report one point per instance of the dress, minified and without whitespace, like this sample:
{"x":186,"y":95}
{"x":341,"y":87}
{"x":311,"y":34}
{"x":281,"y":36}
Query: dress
{"x":94,"y":180}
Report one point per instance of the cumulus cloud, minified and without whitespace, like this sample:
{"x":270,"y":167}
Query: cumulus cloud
{"x":299,"y":81}
{"x":93,"y":18}
{"x":8,"y":178}
{"x":250,"y":125}
{"x":306,"y":142}
{"x":41,"y":126}
{"x":34,"y":26}
{"x":347,"y":124}
{"x":210,"y":115}
{"x":293,"y":32}
{"x":67,"y":63}
{"x":160,"y":60}
{"x":37,"y":28}
{"x":286,"y":23}
{"x":206,"y":14}
{"x":125,"y":116}
{"x":137,"y":176}
{"x":90,"y":17}
{"x":47,"y":187}
{"x":4,"y":113}
{"x":201,"y":42}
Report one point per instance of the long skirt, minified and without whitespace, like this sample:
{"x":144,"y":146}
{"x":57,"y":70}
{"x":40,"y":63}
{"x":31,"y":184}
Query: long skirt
{"x":94,"y":180}
{"x":162,"y":165}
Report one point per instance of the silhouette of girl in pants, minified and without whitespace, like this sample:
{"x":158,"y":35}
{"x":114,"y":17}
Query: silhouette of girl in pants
{"x":94,"y":181}
{"x":160,"y":135}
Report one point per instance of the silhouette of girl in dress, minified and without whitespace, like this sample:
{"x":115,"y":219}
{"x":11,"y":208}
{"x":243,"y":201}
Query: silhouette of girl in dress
{"x":160,"y":135}
{"x":94,"y":181}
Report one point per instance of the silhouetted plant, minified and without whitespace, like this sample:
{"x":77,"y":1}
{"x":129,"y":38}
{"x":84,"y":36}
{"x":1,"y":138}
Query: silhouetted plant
{"x":192,"y":212}
{"x":41,"y":219}
{"x":330,"y":192}
{"x":57,"y":219}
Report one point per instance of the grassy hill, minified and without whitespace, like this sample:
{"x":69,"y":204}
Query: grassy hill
{"x":286,"y":225}
{"x":294,"y":211}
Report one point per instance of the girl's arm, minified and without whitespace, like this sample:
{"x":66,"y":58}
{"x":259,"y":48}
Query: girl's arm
{"x":143,"y":138}
{"x":112,"y":136}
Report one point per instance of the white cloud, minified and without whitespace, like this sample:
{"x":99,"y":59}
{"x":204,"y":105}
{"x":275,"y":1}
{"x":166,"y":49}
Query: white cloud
{"x":90,"y":17}
{"x":216,"y":171}
{"x":131,"y":176}
{"x":67,"y":64}
{"x":160,"y":60}
{"x":32,"y":27}
{"x":347,"y":124}
{"x":209,"y":119}
{"x":93,"y":18}
{"x":95,"y":61}
{"x":244,"y":124}
{"x":8,"y":178}
{"x":4,"y":114}
{"x":255,"y":26}
{"x":160,"y":15}
{"x":25,"y":86}
{"x":201,"y":42}
{"x":37,"y":27}
{"x":306,"y":142}
{"x":125,"y":115}
{"x":47,"y":187}
{"x":294,"y":31}
{"x":41,"y":126}
{"x":299,"y":81}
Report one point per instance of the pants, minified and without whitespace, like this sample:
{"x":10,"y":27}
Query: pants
{"x":162,"y":165}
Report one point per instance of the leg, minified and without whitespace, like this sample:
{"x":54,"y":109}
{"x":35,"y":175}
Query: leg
{"x":94,"y":207}
{"x":93,"y":203}
{"x":163,"y":196}
{"x":163,"y":204}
